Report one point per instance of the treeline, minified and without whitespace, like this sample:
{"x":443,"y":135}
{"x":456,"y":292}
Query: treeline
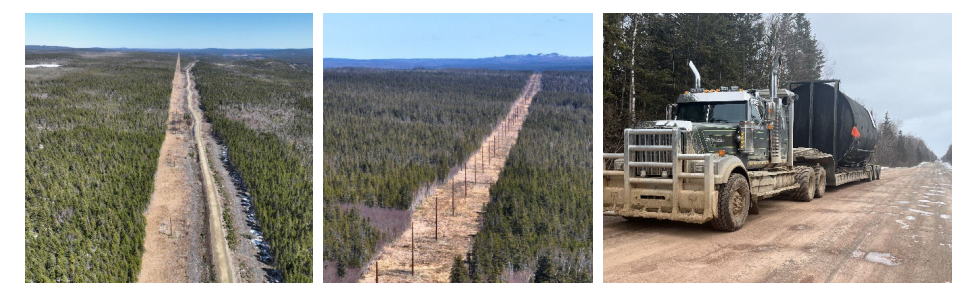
{"x":538,"y":225}
{"x":263,"y":112}
{"x":348,"y":238}
{"x":389,"y":132}
{"x":92,"y":138}
{"x":948,"y":157}
{"x":896,"y":149}
{"x":49,"y":58}
{"x":646,"y":59}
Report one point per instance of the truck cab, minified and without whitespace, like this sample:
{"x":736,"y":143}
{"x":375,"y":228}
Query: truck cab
{"x":731,"y":121}
{"x":717,"y":153}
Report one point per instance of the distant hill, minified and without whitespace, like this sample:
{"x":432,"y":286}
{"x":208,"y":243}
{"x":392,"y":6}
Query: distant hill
{"x":301,"y":56}
{"x":551,"y":61}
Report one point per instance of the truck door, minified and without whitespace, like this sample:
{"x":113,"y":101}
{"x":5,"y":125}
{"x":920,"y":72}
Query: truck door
{"x":760,"y":136}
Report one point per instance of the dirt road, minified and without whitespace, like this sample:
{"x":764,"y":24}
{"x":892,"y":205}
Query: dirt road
{"x":223,"y":269}
{"x":433,"y":257}
{"x":897,"y":229}
{"x":174,"y":250}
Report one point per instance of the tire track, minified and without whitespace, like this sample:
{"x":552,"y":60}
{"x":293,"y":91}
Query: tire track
{"x":224,"y":271}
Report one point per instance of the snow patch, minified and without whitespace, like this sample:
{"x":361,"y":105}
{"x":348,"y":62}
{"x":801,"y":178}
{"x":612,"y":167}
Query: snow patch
{"x":910,"y":218}
{"x":858,"y":253}
{"x":41,"y":65}
{"x":903,"y":202}
{"x":944,"y":216}
{"x":883,"y":258}
{"x":904,"y":225}
{"x":922,"y":212}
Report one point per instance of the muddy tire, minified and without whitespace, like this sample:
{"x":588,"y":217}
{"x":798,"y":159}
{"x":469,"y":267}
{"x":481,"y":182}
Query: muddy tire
{"x":734,"y":201}
{"x":820,"y":182}
{"x":805,"y":178}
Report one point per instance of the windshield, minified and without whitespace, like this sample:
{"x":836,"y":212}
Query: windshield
{"x":720,"y":112}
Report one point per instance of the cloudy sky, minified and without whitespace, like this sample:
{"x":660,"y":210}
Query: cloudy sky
{"x":900,"y":63}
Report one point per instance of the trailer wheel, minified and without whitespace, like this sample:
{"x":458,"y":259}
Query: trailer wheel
{"x":820,"y":184}
{"x":734,"y":201}
{"x":805,"y":178}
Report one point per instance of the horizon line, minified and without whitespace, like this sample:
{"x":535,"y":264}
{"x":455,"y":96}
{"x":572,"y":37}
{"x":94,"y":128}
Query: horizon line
{"x":591,"y":56}
{"x":129,"y":47}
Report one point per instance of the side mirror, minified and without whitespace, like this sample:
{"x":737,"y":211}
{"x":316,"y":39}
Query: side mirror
{"x":669,"y":110}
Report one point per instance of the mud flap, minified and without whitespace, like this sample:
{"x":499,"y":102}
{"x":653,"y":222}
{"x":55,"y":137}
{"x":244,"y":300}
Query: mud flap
{"x":754,"y":206}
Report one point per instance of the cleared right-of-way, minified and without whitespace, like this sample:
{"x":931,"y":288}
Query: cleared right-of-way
{"x":897,"y":229}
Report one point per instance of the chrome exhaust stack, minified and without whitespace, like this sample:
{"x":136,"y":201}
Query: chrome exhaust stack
{"x":773,"y":90}
{"x":697,"y":76}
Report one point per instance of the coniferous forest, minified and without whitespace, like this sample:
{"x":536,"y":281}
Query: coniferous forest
{"x":262,"y":110}
{"x":646,"y":57}
{"x":390,"y":133}
{"x":538,"y":225}
{"x":94,"y":127}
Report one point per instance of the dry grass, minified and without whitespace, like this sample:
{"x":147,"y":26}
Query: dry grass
{"x":459,"y":213}
{"x":167,"y":237}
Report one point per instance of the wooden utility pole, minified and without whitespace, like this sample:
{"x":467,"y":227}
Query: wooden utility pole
{"x":464,"y":181}
{"x":377,"y":271}
{"x":412,"y":238}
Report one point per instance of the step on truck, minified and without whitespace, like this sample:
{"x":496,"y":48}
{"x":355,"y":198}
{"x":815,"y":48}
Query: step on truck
{"x":719,"y":152}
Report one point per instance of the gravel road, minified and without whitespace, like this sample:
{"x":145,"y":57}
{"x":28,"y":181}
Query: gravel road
{"x":897,"y":229}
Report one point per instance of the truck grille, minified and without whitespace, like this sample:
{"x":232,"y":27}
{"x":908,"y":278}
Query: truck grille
{"x":660,"y":156}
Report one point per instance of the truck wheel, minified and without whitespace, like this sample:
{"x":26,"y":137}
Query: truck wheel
{"x":734,"y":200}
{"x":820,"y":184}
{"x":805,"y":178}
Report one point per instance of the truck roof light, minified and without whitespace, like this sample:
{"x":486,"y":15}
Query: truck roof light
{"x":721,"y":152}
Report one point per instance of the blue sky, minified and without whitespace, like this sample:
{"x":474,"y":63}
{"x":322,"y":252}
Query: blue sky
{"x":170,"y":30}
{"x":896,"y":63}
{"x":396,"y":36}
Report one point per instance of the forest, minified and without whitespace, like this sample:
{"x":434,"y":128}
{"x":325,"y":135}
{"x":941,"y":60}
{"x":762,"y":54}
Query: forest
{"x":646,"y":56}
{"x":390,"y":133}
{"x":896,"y":149}
{"x":948,"y":157}
{"x":262,"y":110}
{"x":538,"y":225}
{"x":93,"y":130}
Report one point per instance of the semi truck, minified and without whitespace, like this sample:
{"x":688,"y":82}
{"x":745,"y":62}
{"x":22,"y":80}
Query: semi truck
{"x":719,"y":152}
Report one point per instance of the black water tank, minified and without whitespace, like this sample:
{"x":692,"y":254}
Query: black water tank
{"x":821,"y":123}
